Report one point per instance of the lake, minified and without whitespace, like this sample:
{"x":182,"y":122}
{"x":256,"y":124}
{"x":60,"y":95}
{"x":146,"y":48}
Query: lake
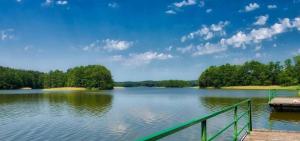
{"x":128,"y":113}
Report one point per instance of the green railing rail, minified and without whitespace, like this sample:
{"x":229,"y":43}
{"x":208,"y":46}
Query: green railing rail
{"x":203,"y":121}
{"x":272,"y":94}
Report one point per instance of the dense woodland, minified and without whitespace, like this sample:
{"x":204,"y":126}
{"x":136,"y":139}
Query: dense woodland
{"x":92,"y":76}
{"x":162,"y":83}
{"x":252,"y":73}
{"x":14,"y":78}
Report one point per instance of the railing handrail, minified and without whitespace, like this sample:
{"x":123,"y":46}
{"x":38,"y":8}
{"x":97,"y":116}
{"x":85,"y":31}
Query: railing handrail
{"x":272,"y":94}
{"x":169,"y":131}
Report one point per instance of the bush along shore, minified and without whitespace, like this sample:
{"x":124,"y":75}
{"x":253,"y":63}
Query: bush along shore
{"x":90,"y":77}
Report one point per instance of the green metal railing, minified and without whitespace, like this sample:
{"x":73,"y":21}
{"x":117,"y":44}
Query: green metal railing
{"x":203,"y":121}
{"x":272,"y":94}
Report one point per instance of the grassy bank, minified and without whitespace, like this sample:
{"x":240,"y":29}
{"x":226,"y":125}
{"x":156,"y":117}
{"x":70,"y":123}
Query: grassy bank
{"x":65,"y":89}
{"x":262,"y":87}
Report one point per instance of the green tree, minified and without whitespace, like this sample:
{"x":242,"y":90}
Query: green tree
{"x":92,"y":76}
{"x":297,"y":66}
{"x":288,"y":76}
{"x":54,"y":79}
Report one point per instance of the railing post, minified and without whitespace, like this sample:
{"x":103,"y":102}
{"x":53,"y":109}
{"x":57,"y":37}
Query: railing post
{"x":235,"y":130}
{"x":270,"y":95}
{"x":203,"y":131}
{"x":250,"y":116}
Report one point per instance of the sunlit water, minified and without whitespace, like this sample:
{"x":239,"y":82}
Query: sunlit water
{"x":127,"y":114}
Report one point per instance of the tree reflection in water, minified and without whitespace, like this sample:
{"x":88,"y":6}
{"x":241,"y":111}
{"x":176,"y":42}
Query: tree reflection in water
{"x":79,"y":102}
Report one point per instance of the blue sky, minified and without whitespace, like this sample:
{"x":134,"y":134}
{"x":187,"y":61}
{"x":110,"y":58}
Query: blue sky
{"x":146,"y":40}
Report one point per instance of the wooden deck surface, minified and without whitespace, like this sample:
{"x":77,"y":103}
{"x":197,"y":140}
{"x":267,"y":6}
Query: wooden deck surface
{"x":268,"y":135}
{"x":285,"y":101}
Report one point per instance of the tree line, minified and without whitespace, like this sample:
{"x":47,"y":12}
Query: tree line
{"x":92,"y":76}
{"x":15,"y":78}
{"x":252,"y":73}
{"x":162,"y":83}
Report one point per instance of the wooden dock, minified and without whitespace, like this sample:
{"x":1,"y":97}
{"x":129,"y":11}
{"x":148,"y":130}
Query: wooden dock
{"x":269,"y":135}
{"x":285,"y":103}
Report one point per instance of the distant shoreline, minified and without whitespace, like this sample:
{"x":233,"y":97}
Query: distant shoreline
{"x":222,"y":88}
{"x":237,"y":87}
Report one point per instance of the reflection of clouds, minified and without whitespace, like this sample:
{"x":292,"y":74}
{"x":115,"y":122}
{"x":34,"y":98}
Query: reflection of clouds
{"x":148,"y":116}
{"x":119,"y":128}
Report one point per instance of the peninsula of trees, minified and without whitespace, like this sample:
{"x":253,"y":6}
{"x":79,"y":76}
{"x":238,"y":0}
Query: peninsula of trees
{"x":92,"y":77}
{"x":252,"y":73}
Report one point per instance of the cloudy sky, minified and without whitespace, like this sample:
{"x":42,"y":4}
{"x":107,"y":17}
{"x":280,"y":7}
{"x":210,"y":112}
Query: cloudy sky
{"x":146,"y":40}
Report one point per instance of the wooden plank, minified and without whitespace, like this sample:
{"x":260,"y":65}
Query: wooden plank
{"x":270,"y":135}
{"x":285,"y":101}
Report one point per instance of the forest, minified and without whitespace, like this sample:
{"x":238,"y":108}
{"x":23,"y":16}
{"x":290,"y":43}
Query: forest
{"x":162,"y":83}
{"x":92,"y":76}
{"x":286,"y":73}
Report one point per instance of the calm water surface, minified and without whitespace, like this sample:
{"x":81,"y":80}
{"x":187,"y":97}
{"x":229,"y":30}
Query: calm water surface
{"x":127,"y":114}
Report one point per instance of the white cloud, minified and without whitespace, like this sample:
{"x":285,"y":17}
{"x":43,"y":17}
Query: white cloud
{"x":261,"y":20}
{"x":113,"y":5}
{"x":272,"y":6}
{"x":92,"y":46}
{"x":207,"y":32}
{"x":236,"y":40}
{"x":142,"y":58}
{"x":221,"y":56}
{"x":152,"y":56}
{"x":219,"y":26}
{"x":186,"y":49}
{"x":169,"y":48}
{"x":202,"y":49}
{"x":6,"y":34}
{"x":61,"y":2}
{"x":170,"y":12}
{"x":251,"y":7}
{"x":32,"y":49}
{"x":240,"y":39}
{"x":257,"y":35}
{"x":282,"y":26}
{"x":208,"y":10}
{"x":117,"y":58}
{"x":47,"y":2}
{"x":201,"y":3}
{"x":296,"y":23}
{"x":209,"y":48}
{"x":184,"y":3}
{"x":176,"y":6}
{"x":111,"y":45}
